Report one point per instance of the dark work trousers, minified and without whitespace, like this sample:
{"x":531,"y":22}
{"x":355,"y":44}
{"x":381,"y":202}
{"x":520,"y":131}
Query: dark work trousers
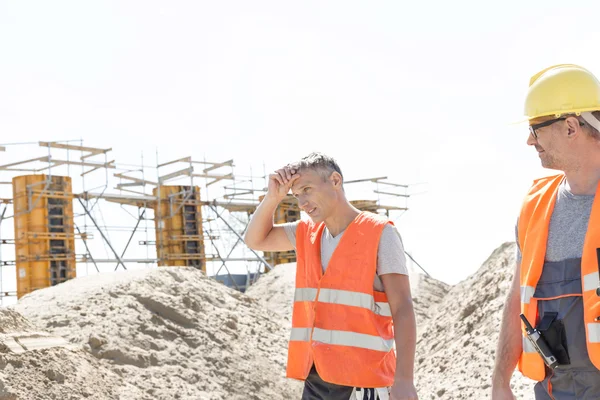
{"x":316,"y":388}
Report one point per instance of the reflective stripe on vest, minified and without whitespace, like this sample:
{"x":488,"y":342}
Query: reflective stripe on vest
{"x":593,"y":332}
{"x":591,"y":281}
{"x":533,"y":229}
{"x":300,"y":335}
{"x":342,"y":338}
{"x":344,"y":297}
{"x":352,"y":339}
{"x":305,"y":294}
{"x":528,"y":347}
{"x":526,"y":294}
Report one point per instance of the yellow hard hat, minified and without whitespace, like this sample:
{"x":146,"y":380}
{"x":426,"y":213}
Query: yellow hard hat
{"x":562,"y":89}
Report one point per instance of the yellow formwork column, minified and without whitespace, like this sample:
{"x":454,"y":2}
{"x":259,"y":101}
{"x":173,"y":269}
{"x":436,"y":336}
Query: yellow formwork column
{"x":178,"y":222}
{"x":287,"y":211}
{"x":44,"y":231}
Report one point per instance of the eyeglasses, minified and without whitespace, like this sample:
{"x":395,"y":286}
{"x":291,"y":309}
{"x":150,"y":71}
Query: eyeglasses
{"x":533,"y":128}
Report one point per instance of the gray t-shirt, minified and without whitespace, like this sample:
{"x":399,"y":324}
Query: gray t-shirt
{"x":568,"y":225}
{"x":390,"y":253}
{"x":561,"y":276}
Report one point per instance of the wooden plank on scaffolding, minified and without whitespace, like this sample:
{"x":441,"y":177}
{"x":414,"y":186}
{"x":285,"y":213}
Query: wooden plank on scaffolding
{"x":228,"y":163}
{"x":54,"y":164}
{"x":216,"y":178}
{"x":131,"y":191}
{"x":89,"y":171}
{"x":206,"y":162}
{"x":139,"y":201}
{"x":366,"y":180}
{"x":228,"y":176}
{"x":237,"y":206}
{"x":234,"y":188}
{"x":109,"y":164}
{"x":7,"y":166}
{"x":184,"y":159}
{"x":213,"y":176}
{"x":232,"y":195}
{"x":63,"y":146}
{"x":128,"y":184}
{"x":186,"y":171}
{"x":141,"y":182}
{"x":393,"y":184}
{"x":391,"y":194}
{"x":83,"y":157}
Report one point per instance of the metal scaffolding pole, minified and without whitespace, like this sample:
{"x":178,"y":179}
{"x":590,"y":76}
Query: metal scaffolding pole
{"x":86,"y":247}
{"x":131,"y":237}
{"x":239,"y":236}
{"x":120,"y":261}
{"x":231,"y":250}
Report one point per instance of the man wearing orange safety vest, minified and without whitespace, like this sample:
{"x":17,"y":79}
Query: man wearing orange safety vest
{"x":558,"y":237}
{"x":346,"y":301}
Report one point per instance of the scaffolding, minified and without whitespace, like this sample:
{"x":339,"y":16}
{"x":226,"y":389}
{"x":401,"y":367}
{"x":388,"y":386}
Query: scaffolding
{"x":183,"y":212}
{"x":387,"y":199}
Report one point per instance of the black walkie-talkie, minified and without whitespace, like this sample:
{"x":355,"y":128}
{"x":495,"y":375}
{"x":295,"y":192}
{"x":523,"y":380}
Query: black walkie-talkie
{"x":539,"y":343}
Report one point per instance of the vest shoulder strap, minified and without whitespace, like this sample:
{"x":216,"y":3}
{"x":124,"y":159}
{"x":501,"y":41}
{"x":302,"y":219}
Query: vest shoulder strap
{"x":532,"y":200}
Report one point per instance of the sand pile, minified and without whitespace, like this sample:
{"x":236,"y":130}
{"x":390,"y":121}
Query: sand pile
{"x":427,"y":294}
{"x":275,"y":290}
{"x":36,"y":365}
{"x":170,"y":332}
{"x":173,"y":333}
{"x":456,"y":347}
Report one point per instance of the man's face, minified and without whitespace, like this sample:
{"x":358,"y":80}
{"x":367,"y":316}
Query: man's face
{"x":316,"y":193}
{"x":550,"y":145}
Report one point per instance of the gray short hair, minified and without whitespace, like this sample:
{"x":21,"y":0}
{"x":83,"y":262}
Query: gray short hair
{"x":319,"y":162}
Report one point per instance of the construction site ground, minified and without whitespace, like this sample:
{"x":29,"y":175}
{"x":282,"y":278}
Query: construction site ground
{"x":173,"y":333}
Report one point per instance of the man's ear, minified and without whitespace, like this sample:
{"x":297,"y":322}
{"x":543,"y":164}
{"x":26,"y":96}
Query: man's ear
{"x":336,"y":179}
{"x":573,"y":127}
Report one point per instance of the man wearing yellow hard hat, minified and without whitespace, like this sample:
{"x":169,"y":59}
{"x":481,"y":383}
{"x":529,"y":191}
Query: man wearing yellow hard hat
{"x":551,"y":321}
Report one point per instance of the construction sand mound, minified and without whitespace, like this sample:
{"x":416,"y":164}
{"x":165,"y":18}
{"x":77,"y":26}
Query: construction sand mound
{"x":456,"y":347}
{"x":275,"y":291}
{"x":427,"y":294}
{"x":171,"y":333}
{"x":35,"y":365}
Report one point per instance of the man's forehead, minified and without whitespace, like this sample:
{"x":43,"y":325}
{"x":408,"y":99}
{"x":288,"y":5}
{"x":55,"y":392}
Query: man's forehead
{"x":306,"y":177}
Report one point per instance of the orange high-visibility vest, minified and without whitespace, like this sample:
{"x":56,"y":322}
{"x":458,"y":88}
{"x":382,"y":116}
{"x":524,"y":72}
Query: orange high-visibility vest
{"x":533,"y":227}
{"x":339,"y":322}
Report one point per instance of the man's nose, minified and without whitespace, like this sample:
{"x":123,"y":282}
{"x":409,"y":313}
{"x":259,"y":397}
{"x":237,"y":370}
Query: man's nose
{"x":302,"y":202}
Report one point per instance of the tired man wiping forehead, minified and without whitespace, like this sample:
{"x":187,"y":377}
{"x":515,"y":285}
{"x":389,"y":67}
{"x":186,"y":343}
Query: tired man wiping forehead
{"x":352,"y":288}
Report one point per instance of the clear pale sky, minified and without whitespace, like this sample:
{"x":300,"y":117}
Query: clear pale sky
{"x":416,"y":91}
